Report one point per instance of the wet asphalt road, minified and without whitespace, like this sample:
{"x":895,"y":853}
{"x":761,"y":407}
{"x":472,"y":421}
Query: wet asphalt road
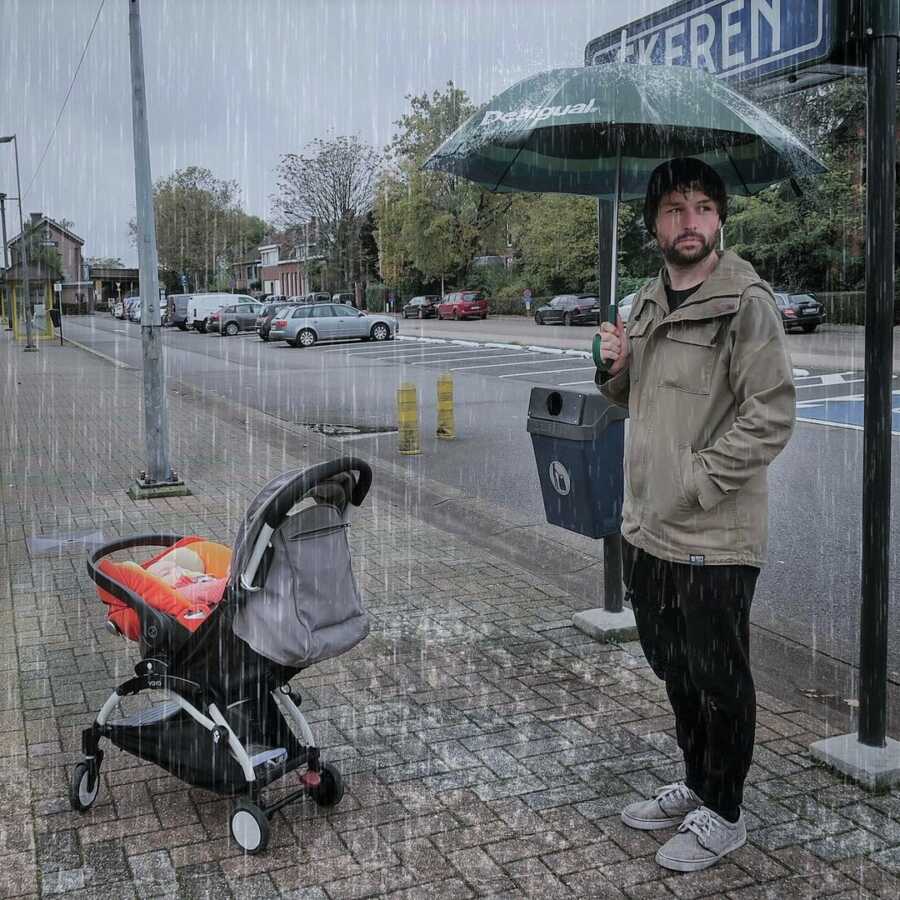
{"x":809,"y":592}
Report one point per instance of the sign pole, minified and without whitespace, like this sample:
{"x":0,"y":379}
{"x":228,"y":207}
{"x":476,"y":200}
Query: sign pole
{"x":869,"y":756}
{"x":882,"y":24}
{"x":159,"y":479}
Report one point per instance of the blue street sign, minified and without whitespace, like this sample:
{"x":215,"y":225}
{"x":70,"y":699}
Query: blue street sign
{"x":184,"y":280}
{"x":801,"y":41}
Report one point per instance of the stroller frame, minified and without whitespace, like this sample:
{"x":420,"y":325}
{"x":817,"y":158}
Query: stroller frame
{"x":198,"y":709}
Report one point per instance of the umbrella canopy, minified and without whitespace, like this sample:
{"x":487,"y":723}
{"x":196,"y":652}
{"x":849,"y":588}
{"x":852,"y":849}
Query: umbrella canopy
{"x":569,"y":131}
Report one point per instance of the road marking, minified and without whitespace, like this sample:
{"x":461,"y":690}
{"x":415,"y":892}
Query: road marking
{"x":829,"y":378}
{"x":571,"y":383}
{"x":548,"y":372}
{"x":480,"y":356}
{"x":530,"y":362}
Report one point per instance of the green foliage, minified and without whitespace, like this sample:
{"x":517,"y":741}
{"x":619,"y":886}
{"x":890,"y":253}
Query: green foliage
{"x":376,"y":297}
{"x":430,"y":226}
{"x":200,"y":226}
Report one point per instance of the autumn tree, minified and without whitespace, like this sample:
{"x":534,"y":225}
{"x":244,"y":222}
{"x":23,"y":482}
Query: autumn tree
{"x":331,"y":187}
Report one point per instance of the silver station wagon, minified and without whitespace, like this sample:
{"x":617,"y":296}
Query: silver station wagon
{"x":303,"y":326}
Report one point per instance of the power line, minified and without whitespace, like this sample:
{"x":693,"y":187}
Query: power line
{"x":68,"y":93}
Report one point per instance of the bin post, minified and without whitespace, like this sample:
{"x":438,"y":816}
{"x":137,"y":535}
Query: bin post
{"x":612,"y":573}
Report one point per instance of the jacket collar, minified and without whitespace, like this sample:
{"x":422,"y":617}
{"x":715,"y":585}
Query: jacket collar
{"x":719,"y":295}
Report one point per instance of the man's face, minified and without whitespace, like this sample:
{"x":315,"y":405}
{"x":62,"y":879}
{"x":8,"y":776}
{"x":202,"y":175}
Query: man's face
{"x":687,"y":227}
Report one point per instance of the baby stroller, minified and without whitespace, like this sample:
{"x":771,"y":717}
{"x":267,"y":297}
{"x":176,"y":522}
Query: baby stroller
{"x":221,"y":633}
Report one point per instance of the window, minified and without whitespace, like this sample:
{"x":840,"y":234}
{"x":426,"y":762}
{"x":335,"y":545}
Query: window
{"x":301,"y":312}
{"x":346,"y":312}
{"x":319,"y":312}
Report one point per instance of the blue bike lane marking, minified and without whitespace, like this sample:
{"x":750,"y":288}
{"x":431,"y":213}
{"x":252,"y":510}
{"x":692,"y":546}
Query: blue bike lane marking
{"x":844,"y":412}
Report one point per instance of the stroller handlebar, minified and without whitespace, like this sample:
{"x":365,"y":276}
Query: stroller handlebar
{"x":293,"y":491}
{"x":155,"y":626}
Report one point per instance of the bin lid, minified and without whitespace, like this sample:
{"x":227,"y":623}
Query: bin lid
{"x":585,"y":414}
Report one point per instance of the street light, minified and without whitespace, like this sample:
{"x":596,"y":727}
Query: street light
{"x":29,"y":328}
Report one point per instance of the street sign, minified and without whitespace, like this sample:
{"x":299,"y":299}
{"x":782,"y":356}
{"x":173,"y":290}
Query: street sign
{"x":767,"y":46}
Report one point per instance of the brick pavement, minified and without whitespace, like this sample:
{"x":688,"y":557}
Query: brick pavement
{"x":487,"y":746}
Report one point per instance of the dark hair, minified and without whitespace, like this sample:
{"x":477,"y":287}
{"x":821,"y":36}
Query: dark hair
{"x":683,"y":174}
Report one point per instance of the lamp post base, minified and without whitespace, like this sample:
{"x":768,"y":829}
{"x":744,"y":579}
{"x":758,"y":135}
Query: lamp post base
{"x":607,"y":626}
{"x":875,"y":768}
{"x":150,"y":490}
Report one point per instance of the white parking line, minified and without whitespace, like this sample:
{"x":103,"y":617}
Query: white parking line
{"x":365,"y":349}
{"x":481,"y":356}
{"x":530,"y":362}
{"x":572,"y":383}
{"x":548,"y":372}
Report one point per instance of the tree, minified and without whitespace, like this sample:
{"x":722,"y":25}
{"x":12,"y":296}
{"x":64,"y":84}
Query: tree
{"x":331,"y":187}
{"x":431,"y":225}
{"x":200,"y":228}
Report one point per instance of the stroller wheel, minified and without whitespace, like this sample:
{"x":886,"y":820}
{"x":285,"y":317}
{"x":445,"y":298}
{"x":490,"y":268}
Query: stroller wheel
{"x":330,"y":789}
{"x":249,"y":827}
{"x":84,"y":788}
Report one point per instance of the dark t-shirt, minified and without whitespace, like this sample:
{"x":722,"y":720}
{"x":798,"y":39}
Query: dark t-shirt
{"x":676,"y":298}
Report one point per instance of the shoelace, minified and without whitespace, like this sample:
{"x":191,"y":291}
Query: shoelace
{"x":677,"y":791}
{"x":699,"y":821}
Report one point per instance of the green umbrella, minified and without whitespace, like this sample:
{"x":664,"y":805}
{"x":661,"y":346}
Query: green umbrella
{"x":601,"y":131}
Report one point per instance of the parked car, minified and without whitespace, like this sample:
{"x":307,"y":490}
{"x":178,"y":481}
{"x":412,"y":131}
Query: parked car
{"x":570,"y":309}
{"x":177,"y":310}
{"x":202,"y":305}
{"x":422,"y":307}
{"x":343,"y":297}
{"x":120,"y":310}
{"x":304,"y":325}
{"x":625,"y":305}
{"x":133,"y":309}
{"x":799,"y":311}
{"x":317,"y":297}
{"x":264,"y":319}
{"x":234,"y":318}
{"x":463,"y":305}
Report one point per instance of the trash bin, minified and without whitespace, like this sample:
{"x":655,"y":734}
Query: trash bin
{"x":579,"y":447}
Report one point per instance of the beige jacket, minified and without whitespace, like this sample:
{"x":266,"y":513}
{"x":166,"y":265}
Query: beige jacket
{"x":710,"y":395}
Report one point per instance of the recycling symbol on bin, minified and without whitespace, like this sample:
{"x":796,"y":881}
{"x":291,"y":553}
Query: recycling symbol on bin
{"x":560,"y":478}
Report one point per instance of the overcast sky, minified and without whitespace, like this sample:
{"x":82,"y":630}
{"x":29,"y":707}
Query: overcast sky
{"x":233,"y":84}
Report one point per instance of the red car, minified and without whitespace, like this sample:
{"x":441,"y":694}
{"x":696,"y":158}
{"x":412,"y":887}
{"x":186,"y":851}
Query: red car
{"x":463,"y":305}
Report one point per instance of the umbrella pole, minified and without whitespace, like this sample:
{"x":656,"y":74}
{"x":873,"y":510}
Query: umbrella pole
{"x":608,"y":224}
{"x":613,"y":313}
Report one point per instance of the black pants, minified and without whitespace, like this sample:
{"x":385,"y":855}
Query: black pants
{"x":694,"y":626}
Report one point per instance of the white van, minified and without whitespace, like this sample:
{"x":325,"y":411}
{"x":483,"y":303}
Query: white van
{"x":201,"y":305}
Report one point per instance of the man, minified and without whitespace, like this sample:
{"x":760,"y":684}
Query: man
{"x":704,"y":370}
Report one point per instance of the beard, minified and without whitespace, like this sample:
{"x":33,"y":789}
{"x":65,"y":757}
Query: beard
{"x":675,"y":256}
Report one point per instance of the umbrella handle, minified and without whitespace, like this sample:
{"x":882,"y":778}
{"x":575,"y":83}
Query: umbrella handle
{"x":612,"y":315}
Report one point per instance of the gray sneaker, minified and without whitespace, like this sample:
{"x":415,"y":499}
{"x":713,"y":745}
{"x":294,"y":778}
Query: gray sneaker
{"x":668,"y":807}
{"x":703,"y":838}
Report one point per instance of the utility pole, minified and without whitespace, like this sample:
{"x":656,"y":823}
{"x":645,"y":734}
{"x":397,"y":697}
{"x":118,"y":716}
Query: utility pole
{"x":159,"y":478}
{"x":30,"y":346}
{"x":6,"y":301}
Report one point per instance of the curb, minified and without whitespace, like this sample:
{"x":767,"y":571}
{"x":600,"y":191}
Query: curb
{"x":118,"y":363}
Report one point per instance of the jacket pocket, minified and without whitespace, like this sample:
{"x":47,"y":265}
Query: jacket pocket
{"x":637,"y":339}
{"x":691,"y":350}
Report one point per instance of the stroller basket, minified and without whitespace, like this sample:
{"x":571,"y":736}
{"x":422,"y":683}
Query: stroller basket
{"x":229,"y":722}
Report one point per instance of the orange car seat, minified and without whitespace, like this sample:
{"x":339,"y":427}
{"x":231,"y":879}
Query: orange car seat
{"x":185,"y":581}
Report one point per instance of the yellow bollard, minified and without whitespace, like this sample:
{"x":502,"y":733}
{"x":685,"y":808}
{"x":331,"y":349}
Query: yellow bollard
{"x":408,"y":420}
{"x":446,"y":427}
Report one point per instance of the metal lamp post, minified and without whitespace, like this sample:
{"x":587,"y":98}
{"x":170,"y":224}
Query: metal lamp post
{"x":29,"y":326}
